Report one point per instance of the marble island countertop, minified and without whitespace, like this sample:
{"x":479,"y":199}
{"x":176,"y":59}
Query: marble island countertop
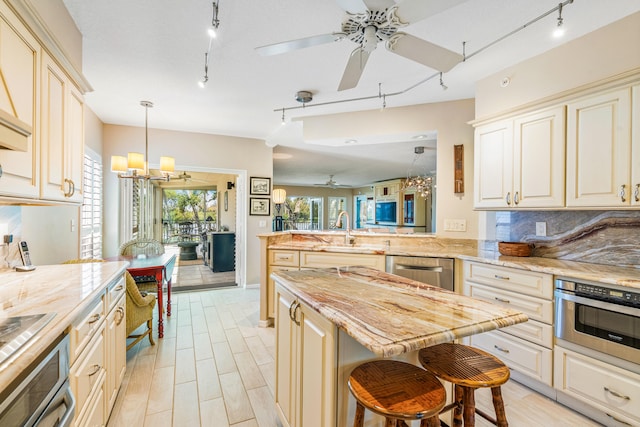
{"x":391,"y":315}
{"x":65,"y":290}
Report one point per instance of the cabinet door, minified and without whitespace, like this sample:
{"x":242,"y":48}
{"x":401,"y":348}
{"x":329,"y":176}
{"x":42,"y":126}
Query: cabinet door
{"x":635,"y":147}
{"x":52,"y":159}
{"x":74,"y":156}
{"x":19,"y":96}
{"x":271,"y":285}
{"x":598,"y":150}
{"x":493,"y":162}
{"x":538,"y":159}
{"x":286,"y":357}
{"x":317,"y":370}
{"x":116,"y":351}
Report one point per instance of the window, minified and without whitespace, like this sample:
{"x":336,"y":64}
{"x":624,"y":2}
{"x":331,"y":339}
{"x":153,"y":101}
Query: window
{"x":302,"y":213}
{"x":336,"y":204}
{"x":91,"y":212}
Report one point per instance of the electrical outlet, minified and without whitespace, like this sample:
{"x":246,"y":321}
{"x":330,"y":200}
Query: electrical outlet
{"x":455,"y":225}
{"x":541,"y":228}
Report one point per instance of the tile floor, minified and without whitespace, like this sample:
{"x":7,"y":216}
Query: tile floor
{"x":215,"y":368}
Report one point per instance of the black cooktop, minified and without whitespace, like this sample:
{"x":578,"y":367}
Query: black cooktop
{"x":16,"y":331}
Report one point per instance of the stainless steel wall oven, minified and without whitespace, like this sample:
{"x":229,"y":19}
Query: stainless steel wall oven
{"x":42,"y":396}
{"x":604,"y":318}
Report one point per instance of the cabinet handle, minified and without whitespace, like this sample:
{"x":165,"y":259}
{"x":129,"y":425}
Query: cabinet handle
{"x":618,"y":420}
{"x":502,"y":300}
{"x":295,"y":314}
{"x":623,"y":192}
{"x":292,"y":311}
{"x":508,"y":198}
{"x":516,"y":198}
{"x":94,"y":318}
{"x":636,"y":193}
{"x":118,"y":288}
{"x":501,"y":349}
{"x":501,"y":277}
{"x":121,"y":317}
{"x":616,"y":394}
{"x":72,"y":187}
{"x":96,"y":369}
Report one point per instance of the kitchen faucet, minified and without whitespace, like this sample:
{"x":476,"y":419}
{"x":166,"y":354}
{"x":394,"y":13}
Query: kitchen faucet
{"x":348,"y":239}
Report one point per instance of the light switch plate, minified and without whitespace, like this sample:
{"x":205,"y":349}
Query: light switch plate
{"x":541,"y":228}
{"x":262,"y":223}
{"x":455,"y":225}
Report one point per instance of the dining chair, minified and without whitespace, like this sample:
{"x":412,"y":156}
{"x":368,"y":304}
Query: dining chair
{"x":143,"y":247}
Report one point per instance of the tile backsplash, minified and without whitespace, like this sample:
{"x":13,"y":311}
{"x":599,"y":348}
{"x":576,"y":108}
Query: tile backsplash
{"x":600,"y":237}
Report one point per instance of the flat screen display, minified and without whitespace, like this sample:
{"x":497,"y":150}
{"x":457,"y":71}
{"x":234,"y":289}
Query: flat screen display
{"x":386,"y":212}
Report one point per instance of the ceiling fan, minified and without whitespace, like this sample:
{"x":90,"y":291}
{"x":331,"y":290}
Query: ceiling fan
{"x":332,"y":184}
{"x":368,"y":22}
{"x":183,"y":176}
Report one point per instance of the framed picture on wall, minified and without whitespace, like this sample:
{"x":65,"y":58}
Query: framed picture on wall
{"x":259,"y":186}
{"x":259,"y":206}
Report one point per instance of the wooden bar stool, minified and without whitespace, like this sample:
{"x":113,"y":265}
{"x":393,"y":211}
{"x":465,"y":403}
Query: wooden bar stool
{"x":398,"y":391}
{"x":468,"y":368}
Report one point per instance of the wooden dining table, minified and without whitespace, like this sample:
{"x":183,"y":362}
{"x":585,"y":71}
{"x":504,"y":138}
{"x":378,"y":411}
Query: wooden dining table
{"x":158,"y":266}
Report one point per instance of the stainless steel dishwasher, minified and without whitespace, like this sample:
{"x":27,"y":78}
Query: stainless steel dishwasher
{"x":432,"y":271}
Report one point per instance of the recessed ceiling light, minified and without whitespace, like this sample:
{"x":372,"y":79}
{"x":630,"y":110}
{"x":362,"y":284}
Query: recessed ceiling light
{"x":351,"y":141}
{"x":282,"y":156}
{"x":420,"y":137}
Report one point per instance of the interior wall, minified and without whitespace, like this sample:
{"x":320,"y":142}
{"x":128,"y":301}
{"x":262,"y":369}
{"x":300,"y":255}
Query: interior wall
{"x":606,"y":52}
{"x":192,"y":151}
{"x":449,"y":119}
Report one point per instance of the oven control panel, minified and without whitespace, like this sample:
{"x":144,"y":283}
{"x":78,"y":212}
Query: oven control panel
{"x":608,"y":294}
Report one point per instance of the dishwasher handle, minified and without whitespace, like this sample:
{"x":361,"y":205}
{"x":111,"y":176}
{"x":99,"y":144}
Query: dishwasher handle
{"x":437,"y":269}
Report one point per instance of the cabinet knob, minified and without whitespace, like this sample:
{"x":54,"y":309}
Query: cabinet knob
{"x":623,"y":193}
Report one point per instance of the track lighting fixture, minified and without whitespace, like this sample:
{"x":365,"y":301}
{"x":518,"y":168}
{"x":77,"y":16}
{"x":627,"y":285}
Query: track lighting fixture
{"x":559,"y":31}
{"x":444,"y":87}
{"x":215,"y":22}
{"x":283,"y":120}
{"x":202,"y":83}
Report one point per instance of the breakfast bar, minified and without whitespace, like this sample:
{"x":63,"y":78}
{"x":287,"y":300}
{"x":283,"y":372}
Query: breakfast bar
{"x":328,"y":321}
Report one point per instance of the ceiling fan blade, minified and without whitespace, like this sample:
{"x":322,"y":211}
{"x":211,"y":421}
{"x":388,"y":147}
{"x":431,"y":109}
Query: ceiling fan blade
{"x":423,"y":52}
{"x":353,"y":6}
{"x":411,"y":11}
{"x":283,"y":47}
{"x":353,"y":71}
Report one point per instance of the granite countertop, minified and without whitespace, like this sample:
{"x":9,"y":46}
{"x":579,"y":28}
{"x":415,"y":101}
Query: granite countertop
{"x":391,"y":315}
{"x":62,"y":289}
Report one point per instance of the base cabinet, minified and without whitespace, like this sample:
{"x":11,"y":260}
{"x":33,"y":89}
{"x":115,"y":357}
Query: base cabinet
{"x":116,"y":351}
{"x":305,"y":364}
{"x":612,"y":391}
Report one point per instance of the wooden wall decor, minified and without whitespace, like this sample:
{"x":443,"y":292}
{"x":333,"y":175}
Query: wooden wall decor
{"x":458,"y":168}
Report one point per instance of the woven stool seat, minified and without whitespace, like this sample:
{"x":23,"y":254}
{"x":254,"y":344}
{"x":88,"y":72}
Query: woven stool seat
{"x":398,"y":391}
{"x":468,"y":368}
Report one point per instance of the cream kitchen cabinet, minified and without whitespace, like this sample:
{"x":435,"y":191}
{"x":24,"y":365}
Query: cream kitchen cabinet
{"x":527,"y":348}
{"x":116,"y":345}
{"x":519,"y":162}
{"x":388,"y":190}
{"x":62,"y":128}
{"x":279,"y":260}
{"x":599,"y":153}
{"x":19,"y":96}
{"x":305,"y":364}
{"x":613,"y":392}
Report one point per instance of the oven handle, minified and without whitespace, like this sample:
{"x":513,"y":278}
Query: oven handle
{"x":66,"y":399}
{"x":610,"y":306}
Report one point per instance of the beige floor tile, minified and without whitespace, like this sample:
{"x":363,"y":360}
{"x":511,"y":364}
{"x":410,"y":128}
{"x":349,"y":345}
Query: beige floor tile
{"x":249,"y":371}
{"x":185,"y":337}
{"x":236,"y":340}
{"x":166,"y":352}
{"x":185,"y":366}
{"x":236,"y":399}
{"x":161,"y":390}
{"x":213,"y":413}
{"x":208,"y":380}
{"x":186,"y":411}
{"x":159,"y":419}
{"x":224,"y":358}
{"x":202,"y":346}
{"x":262,"y":403}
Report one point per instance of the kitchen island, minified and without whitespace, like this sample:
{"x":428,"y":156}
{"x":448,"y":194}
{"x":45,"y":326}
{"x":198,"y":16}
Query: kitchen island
{"x":331,"y":320}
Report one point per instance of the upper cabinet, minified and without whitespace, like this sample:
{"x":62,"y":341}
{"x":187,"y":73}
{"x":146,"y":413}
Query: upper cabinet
{"x":519,"y":162}
{"x":599,"y":154}
{"x":39,"y":96}
{"x":62,"y":135}
{"x":19,"y":97}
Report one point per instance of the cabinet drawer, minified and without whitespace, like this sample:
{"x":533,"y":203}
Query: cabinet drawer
{"x":520,"y":281}
{"x":328,"y":259}
{"x":84,"y":327}
{"x":286,"y":258}
{"x":86,"y":375}
{"x":114,"y":292}
{"x":597,"y":384}
{"x":94,"y":415}
{"x":532,"y":331}
{"x":529,"y":359}
{"x":536,"y":308}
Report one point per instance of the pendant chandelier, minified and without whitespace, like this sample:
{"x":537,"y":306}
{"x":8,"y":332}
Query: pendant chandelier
{"x":138,"y":163}
{"x":421,"y":184}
